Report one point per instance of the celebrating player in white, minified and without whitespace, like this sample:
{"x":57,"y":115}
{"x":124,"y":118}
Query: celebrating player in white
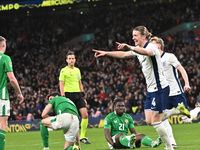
{"x":170,"y":66}
{"x":157,"y":86}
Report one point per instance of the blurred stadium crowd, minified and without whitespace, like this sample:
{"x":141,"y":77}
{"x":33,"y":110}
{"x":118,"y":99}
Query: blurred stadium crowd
{"x":37,"y":46}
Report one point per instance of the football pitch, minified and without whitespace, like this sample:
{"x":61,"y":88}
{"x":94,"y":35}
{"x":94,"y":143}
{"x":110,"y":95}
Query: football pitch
{"x":187,"y":137}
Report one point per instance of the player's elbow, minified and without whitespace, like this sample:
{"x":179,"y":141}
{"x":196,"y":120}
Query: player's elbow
{"x":44,"y":115}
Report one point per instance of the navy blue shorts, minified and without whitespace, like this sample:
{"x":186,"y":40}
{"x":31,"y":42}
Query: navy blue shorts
{"x":157,"y":101}
{"x":174,"y":101}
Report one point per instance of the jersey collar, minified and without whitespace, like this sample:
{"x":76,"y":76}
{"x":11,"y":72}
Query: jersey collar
{"x":146,"y":44}
{"x":163,"y":53}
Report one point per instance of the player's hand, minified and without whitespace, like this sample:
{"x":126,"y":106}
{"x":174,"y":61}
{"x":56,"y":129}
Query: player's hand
{"x":116,"y":146}
{"x":99,"y":53}
{"x":122,"y":46}
{"x":20,"y":98}
{"x":187,"y":88}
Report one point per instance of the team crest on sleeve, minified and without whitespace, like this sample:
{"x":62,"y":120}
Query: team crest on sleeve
{"x":78,"y":77}
{"x":105,"y":122}
{"x":126,"y":121}
{"x":10,"y":64}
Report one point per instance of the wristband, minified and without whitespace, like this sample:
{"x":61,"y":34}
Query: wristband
{"x":132,"y":48}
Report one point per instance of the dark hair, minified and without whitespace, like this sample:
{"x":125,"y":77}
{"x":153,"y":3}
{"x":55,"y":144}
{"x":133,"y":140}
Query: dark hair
{"x":116,"y":100}
{"x":2,"y":39}
{"x":53,"y":94}
{"x":70,"y":53}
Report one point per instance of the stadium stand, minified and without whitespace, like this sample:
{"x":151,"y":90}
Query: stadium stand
{"x":37,"y":45}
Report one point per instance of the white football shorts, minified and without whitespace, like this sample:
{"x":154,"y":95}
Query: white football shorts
{"x":4,"y":107}
{"x":67,"y":122}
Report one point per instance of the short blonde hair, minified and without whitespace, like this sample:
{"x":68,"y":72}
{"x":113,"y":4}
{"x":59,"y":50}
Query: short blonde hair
{"x":158,"y":41}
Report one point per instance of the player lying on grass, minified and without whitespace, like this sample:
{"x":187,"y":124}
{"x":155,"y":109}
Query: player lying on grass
{"x":66,"y":119}
{"x":116,"y":127}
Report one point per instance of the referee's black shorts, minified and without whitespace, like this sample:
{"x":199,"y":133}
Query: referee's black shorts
{"x":77,"y":98}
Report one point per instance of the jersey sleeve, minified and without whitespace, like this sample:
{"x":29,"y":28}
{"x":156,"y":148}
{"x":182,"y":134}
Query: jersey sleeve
{"x":62,"y":75}
{"x":131,"y":122}
{"x":52,"y":101}
{"x":8,"y":64}
{"x":174,"y":61}
{"x":79,"y":74}
{"x":107,"y":123}
{"x":154,"y":49}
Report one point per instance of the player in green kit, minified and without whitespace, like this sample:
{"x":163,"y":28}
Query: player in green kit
{"x":6,"y":71}
{"x":66,"y":119}
{"x":116,"y":127}
{"x":72,"y":88}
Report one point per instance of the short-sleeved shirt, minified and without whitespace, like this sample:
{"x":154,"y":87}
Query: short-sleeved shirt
{"x":118,"y":124}
{"x":5,"y":66}
{"x":63,"y":105}
{"x":152,"y":68}
{"x":170,"y":63}
{"x":71,"y":78}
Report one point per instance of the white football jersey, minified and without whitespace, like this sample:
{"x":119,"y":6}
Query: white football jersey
{"x":170,"y":63}
{"x":152,"y":69}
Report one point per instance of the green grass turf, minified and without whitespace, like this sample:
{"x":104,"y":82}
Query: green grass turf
{"x":186,"y":135}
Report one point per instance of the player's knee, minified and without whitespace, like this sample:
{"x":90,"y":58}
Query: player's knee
{"x":84,"y":115}
{"x":148,"y":122}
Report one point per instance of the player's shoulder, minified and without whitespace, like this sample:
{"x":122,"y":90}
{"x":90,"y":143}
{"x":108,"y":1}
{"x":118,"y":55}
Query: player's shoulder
{"x":170,"y":56}
{"x":4,"y":56}
{"x":76,"y":68}
{"x":111,"y":115}
{"x":127,"y":115}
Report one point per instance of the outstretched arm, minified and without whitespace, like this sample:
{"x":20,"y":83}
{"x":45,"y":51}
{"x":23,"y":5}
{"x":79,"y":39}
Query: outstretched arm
{"x":116,"y":54}
{"x":139,"y":50}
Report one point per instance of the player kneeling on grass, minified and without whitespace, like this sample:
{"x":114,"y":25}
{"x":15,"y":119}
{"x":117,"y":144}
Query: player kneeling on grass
{"x":66,"y":119}
{"x":116,"y":127}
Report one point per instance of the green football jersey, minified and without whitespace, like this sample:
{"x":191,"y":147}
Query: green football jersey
{"x":5,"y":66}
{"x":63,"y":105}
{"x":118,"y":124}
{"x":71,"y":78}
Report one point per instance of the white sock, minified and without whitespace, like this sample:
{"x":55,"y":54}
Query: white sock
{"x":169,"y":131}
{"x":193,"y":114}
{"x":170,"y":113}
{"x":162,"y":132}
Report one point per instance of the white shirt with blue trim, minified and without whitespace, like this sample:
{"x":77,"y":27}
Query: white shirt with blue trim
{"x":170,"y":63}
{"x":152,"y":69}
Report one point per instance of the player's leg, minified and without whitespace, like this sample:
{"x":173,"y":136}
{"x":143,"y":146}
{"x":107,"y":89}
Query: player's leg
{"x":159,"y":100}
{"x":44,"y":123}
{"x":4,"y":113}
{"x":3,"y":128}
{"x":125,"y":141}
{"x":70,"y":131}
{"x":81,"y":105}
{"x":170,"y":133}
{"x":145,"y":140}
{"x":180,"y":104}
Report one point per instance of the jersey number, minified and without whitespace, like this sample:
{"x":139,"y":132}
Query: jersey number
{"x":121,"y":126}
